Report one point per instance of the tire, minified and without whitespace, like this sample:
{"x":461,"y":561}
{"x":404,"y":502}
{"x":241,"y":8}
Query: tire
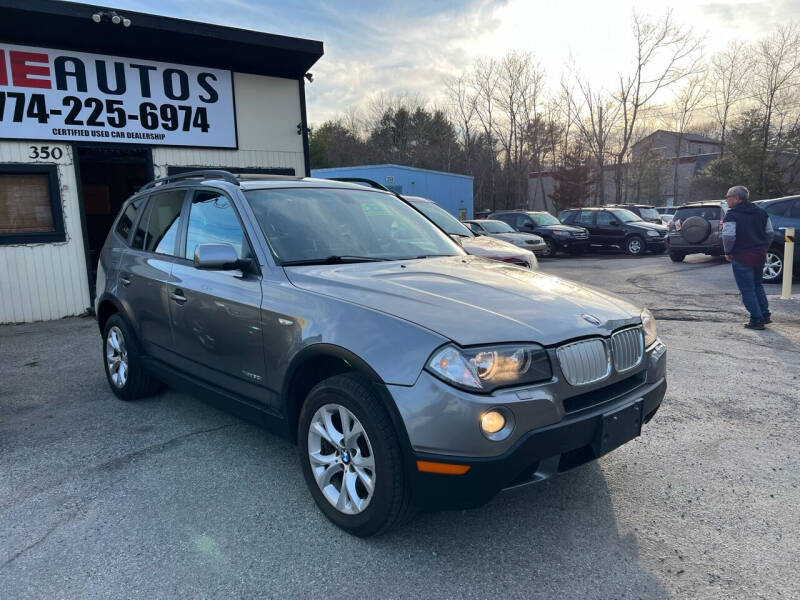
{"x":676,"y":256}
{"x":123,"y":364}
{"x":773,"y":267}
{"x":695,"y":230}
{"x":635,"y":245}
{"x":549,"y":249}
{"x":388,"y":505}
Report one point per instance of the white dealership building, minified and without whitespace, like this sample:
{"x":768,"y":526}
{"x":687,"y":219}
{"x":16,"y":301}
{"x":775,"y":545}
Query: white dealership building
{"x":95,"y":102}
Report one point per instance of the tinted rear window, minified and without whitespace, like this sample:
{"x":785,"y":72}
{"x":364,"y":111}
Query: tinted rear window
{"x":128,"y":218}
{"x":710,"y":213}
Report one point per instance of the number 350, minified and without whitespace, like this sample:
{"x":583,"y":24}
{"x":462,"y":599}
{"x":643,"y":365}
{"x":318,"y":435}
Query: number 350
{"x":45,"y":152}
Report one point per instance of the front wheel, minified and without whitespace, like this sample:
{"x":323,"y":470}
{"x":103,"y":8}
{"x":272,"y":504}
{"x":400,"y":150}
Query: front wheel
{"x":549,"y":249}
{"x":123,"y":362}
{"x":635,"y":246}
{"x":773,"y":267}
{"x":351,"y":457}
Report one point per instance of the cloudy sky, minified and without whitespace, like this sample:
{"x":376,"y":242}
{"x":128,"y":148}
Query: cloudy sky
{"x":409,"y":46}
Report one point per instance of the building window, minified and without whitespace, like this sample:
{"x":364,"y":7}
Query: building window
{"x":30,"y":204}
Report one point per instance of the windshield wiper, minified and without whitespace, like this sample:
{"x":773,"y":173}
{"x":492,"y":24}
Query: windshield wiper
{"x":334,"y":259}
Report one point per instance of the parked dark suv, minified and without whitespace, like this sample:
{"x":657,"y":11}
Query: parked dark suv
{"x":557,"y":236}
{"x":409,"y":373}
{"x":618,"y":228}
{"x":696,"y":228}
{"x":645,"y":212}
{"x":783,"y":213}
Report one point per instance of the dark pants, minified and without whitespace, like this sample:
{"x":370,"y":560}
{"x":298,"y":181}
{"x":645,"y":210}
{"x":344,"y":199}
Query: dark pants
{"x":749,"y":281}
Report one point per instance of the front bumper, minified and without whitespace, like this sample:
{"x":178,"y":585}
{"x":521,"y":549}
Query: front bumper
{"x":573,"y":244}
{"x":553,"y":432}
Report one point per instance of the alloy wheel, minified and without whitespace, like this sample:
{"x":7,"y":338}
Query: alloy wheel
{"x":635,"y":246}
{"x":341,"y":458}
{"x":773,"y":267}
{"x":117,"y":357}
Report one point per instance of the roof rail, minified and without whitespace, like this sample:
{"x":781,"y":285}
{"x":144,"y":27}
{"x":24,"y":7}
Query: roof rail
{"x":203,"y":174}
{"x":371,"y":183}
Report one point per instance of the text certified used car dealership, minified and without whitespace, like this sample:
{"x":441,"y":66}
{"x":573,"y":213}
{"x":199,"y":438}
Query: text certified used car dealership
{"x":94,"y":104}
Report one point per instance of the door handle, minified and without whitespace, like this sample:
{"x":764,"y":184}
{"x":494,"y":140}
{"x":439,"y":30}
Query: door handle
{"x":178,"y":296}
{"x":125,"y":279}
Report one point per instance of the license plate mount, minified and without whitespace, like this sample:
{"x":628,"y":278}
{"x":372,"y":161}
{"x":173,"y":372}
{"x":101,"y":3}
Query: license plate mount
{"x":618,"y":427}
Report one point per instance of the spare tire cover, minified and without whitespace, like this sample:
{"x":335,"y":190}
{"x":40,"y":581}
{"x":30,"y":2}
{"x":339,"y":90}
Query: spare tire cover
{"x":695,"y":229}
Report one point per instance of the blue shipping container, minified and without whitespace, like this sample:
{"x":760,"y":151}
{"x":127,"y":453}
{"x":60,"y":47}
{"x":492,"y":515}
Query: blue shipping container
{"x":451,"y":191}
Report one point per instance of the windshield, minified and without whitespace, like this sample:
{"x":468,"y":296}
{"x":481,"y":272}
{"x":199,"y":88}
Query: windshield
{"x":649,"y":213}
{"x":626,"y":216}
{"x":443,"y":219}
{"x":497,"y":227}
{"x":544,"y":219}
{"x":320,"y":225}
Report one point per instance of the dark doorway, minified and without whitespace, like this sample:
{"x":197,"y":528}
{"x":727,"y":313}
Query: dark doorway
{"x":107,"y":177}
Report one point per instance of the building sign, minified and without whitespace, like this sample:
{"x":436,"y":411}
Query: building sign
{"x":61,"y":95}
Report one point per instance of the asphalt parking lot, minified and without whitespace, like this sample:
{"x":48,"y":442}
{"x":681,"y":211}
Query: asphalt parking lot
{"x":170,"y":497}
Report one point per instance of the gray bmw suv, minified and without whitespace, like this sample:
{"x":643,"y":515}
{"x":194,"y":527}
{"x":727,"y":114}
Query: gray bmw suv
{"x":410,"y":374}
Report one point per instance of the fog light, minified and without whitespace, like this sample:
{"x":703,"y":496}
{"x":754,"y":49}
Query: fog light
{"x":492,"y":422}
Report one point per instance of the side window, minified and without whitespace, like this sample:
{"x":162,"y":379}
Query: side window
{"x":212,"y":219}
{"x":585,"y":217}
{"x":128,"y":218}
{"x":162,"y":222}
{"x":605,"y":218}
{"x":520,"y":222}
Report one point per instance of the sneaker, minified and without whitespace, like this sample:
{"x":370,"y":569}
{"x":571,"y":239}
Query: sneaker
{"x":767,"y":318}
{"x":754,"y":325}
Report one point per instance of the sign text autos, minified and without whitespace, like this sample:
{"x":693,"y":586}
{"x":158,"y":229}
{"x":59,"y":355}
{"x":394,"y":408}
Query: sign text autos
{"x":53,"y":94}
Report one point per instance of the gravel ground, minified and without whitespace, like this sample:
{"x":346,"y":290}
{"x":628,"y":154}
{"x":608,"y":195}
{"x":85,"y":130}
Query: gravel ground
{"x":170,"y":497}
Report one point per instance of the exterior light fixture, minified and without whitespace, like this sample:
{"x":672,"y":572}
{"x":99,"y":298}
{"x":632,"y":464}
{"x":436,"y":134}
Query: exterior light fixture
{"x":111,"y":15}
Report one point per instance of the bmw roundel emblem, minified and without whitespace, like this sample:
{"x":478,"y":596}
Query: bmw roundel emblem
{"x":591,"y":319}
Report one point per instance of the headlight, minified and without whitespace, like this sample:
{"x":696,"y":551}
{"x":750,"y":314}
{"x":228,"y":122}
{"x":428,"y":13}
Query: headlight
{"x":558,"y":233}
{"x":652,"y":233}
{"x":488,"y":368}
{"x":649,"y":327}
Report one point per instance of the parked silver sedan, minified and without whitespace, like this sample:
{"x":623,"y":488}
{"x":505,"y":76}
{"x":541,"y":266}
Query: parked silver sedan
{"x":503,"y":231}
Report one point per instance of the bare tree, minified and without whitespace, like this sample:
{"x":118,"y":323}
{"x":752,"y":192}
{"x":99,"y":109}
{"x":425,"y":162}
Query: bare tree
{"x":463,"y":110}
{"x":665,"y":54}
{"x":685,"y":105}
{"x":485,"y":81}
{"x":727,"y":75}
{"x":520,"y":128}
{"x":597,"y":114}
{"x":777,"y":66}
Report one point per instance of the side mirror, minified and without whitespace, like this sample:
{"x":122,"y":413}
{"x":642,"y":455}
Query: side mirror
{"x":216,"y":257}
{"x":614,"y":223}
{"x":528,"y":226}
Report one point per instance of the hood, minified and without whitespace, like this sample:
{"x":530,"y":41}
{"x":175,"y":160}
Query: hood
{"x":492,"y":247}
{"x":562,"y":227}
{"x":647,"y":225}
{"x":471,"y":300}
